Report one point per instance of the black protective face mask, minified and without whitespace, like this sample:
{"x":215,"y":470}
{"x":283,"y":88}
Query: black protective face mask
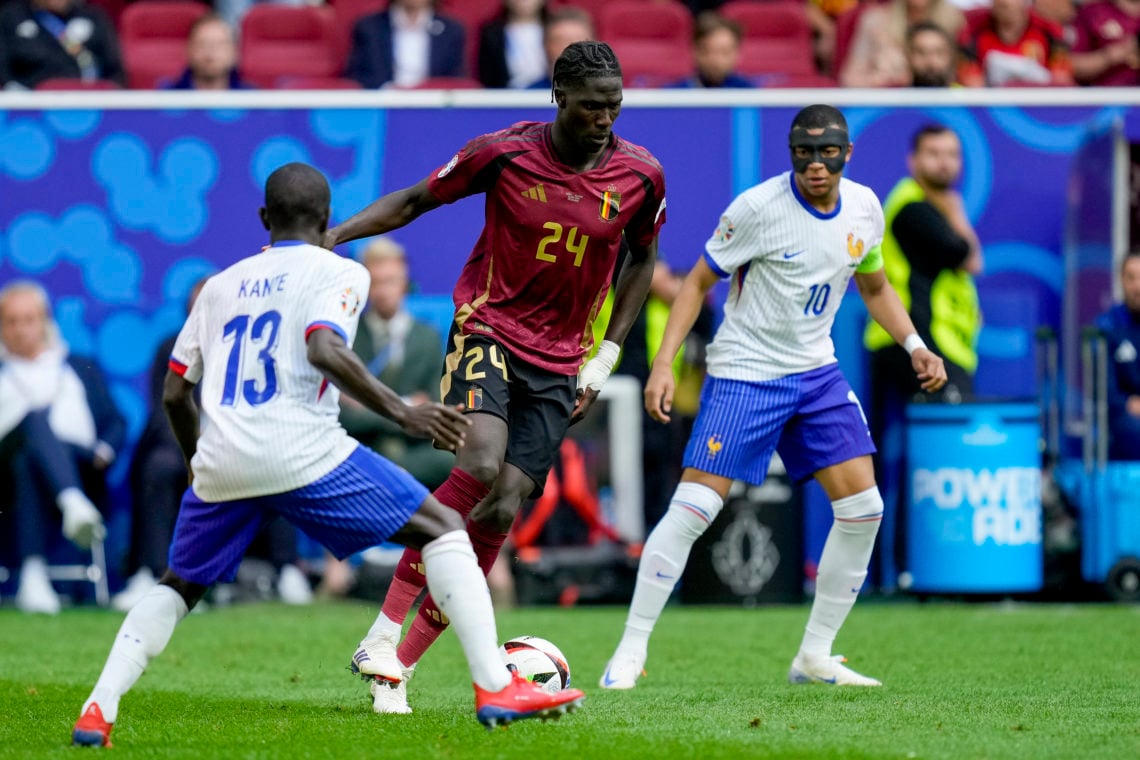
{"x":831,"y":137}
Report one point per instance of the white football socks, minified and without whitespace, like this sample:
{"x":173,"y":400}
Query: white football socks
{"x":663,"y":558}
{"x":385,"y":624}
{"x":143,"y":635}
{"x":842,"y":568}
{"x":459,"y":588}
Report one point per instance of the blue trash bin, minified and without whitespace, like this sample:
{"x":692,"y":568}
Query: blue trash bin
{"x":973,"y":522}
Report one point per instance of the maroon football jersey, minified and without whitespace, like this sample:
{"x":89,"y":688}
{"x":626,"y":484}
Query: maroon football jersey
{"x":542,"y":266}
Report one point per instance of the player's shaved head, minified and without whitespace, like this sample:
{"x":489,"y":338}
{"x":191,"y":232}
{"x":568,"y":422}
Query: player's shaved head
{"x":581,"y":61}
{"x":296,"y":196}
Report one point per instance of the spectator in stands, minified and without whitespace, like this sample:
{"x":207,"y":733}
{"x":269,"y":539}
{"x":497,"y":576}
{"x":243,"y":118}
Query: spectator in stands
{"x":930,"y":55}
{"x":1121,"y":328}
{"x":1105,"y":50}
{"x":511,"y":53}
{"x":564,"y":26}
{"x":405,"y":45}
{"x":1010,"y":44}
{"x":59,"y":431}
{"x":56,"y":39}
{"x":877,"y":55}
{"x":716,"y":51}
{"x":406,"y":354}
{"x":211,"y":57}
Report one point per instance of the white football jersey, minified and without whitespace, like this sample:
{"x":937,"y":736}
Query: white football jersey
{"x":790,"y":265}
{"x":270,"y":417}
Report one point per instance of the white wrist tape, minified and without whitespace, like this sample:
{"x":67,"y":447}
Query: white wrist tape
{"x":598,"y":369}
{"x":913,"y":342}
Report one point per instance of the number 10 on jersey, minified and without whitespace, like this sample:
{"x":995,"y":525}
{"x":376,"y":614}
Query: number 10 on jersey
{"x":263,"y":337}
{"x":817,"y":299}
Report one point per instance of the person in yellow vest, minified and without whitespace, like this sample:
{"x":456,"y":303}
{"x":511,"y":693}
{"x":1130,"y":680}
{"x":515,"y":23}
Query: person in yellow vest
{"x":930,"y":255}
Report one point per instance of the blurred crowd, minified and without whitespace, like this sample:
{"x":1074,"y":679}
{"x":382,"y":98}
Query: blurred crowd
{"x":466,"y":44}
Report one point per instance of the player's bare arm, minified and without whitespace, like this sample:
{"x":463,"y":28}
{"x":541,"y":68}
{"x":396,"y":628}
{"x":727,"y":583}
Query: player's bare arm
{"x":661,"y":384}
{"x":630,"y":293}
{"x":884,"y":306}
{"x":328,"y":352}
{"x":178,"y":401}
{"x":385,"y":214}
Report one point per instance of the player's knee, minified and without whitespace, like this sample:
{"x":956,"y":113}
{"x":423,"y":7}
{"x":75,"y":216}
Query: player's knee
{"x":861,"y":513}
{"x":191,"y":593}
{"x":433,"y":519}
{"x":693,"y":508}
{"x":497,"y":510}
{"x":483,"y":469}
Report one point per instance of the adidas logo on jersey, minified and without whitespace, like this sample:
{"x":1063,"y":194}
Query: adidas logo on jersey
{"x":536,"y":193}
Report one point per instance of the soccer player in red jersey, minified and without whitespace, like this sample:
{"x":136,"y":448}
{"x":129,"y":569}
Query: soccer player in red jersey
{"x":559,"y":197}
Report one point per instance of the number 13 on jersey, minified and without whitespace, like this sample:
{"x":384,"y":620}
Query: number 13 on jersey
{"x":263,"y":337}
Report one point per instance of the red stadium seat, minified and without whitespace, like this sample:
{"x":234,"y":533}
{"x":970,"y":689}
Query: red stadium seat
{"x":653,"y":41}
{"x":317,"y":83}
{"x":77,"y":84}
{"x":279,"y":41}
{"x":777,"y":37}
{"x":153,"y":37}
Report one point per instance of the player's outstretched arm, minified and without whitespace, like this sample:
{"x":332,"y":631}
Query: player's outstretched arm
{"x":328,"y":352}
{"x":884,"y":306}
{"x":659,"y":388}
{"x":630,"y":293}
{"x":387,"y":213}
{"x":182,"y":412}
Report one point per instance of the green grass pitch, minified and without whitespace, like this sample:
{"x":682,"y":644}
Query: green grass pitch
{"x":986,"y":681}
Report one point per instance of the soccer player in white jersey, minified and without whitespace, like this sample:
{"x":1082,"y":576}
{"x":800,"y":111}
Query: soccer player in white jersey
{"x":265,"y":338}
{"x":790,"y":246}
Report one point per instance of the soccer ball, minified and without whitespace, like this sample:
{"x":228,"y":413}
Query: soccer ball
{"x":538,"y":661}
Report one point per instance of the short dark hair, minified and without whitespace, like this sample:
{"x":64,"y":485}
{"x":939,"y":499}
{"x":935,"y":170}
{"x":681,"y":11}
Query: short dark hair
{"x":930,"y":129}
{"x":819,"y":116}
{"x":584,"y":60}
{"x":927,"y":26}
{"x":568,"y":13}
{"x":710,"y":22}
{"x":296,"y":194}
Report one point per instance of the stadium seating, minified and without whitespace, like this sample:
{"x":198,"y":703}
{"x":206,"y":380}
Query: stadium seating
{"x":317,"y":83}
{"x":153,"y":37}
{"x":113,"y":8}
{"x":473,"y":14}
{"x":346,"y":13}
{"x":77,"y":84}
{"x":653,"y":41}
{"x":447,"y":83}
{"x":777,"y":37}
{"x":593,"y":7}
{"x":845,"y":25}
{"x":279,"y":41}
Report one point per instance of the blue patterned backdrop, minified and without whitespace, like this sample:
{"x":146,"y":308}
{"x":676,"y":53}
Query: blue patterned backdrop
{"x":118,"y":213}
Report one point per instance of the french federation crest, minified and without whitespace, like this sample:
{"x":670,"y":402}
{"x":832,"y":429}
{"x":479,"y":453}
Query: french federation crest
{"x":611,"y":204}
{"x":854,"y":247}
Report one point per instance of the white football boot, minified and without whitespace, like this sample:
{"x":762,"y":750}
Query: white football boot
{"x":622,"y":671}
{"x":392,"y":698}
{"x":830,"y":670}
{"x":375,"y":658}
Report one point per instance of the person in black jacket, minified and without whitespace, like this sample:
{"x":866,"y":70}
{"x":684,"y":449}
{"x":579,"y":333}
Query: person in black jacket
{"x":511,"y":53}
{"x":56,"y":39}
{"x":59,"y":431}
{"x":405,"y":45}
